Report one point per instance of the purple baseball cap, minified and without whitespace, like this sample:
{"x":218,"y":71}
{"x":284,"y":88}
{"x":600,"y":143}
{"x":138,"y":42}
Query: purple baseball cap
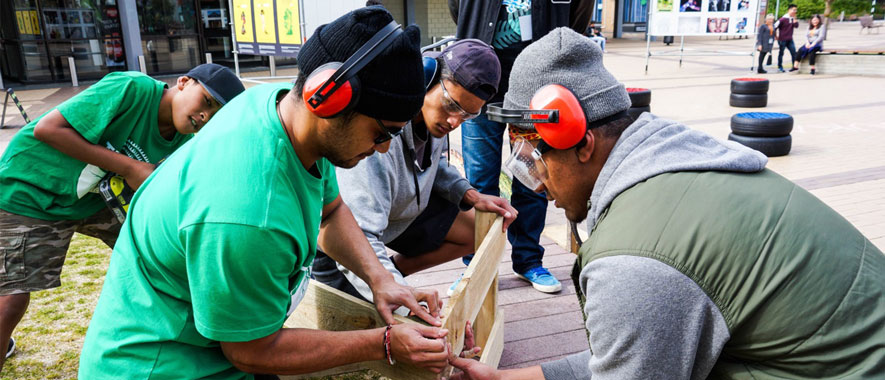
{"x":475,"y":66}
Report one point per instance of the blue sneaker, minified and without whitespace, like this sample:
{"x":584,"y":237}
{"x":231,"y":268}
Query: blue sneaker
{"x":454,"y":285}
{"x":541,"y":280}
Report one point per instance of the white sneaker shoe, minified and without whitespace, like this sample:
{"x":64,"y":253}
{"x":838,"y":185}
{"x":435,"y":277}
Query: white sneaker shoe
{"x":11,"y":349}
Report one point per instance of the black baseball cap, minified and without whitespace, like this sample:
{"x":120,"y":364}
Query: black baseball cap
{"x":221,"y":83}
{"x":475,"y":66}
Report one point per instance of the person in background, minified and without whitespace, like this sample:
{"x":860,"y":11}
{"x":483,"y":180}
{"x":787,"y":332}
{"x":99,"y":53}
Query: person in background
{"x":765,"y":40}
{"x":509,"y":26}
{"x":784,"y":36}
{"x":595,"y":34}
{"x":815,"y":42}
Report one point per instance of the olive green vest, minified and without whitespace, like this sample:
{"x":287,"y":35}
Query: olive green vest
{"x":801,"y":290}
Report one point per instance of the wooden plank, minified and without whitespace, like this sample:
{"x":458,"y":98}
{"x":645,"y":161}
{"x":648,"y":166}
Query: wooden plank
{"x":494,"y":348}
{"x":326,"y":308}
{"x":482,"y":325}
{"x":488,"y":313}
{"x":482,"y":223}
{"x":467,"y":299}
{"x":572,"y":239}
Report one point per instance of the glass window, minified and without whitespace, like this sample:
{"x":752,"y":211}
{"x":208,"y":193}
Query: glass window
{"x":88,"y":31}
{"x":635,"y":11}
{"x":169,"y":35}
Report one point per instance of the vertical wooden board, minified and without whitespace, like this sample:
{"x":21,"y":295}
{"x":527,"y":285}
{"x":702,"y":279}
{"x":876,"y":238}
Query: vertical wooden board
{"x":466,"y":301}
{"x":482,"y":326}
{"x":482,"y":223}
{"x":491,"y":352}
{"x":572,"y":240}
{"x":326,"y":308}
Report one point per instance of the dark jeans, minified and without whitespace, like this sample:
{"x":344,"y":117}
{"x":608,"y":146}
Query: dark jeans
{"x":780,"y":56}
{"x":482,"y":141}
{"x":810,"y":53}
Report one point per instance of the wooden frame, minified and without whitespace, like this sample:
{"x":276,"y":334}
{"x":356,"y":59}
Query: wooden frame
{"x":475,"y":299}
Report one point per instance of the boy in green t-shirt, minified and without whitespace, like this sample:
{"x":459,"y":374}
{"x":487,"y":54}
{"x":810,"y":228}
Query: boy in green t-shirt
{"x":124,"y":124}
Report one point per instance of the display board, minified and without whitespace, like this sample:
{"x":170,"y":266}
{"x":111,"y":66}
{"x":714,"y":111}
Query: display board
{"x":267,"y":27}
{"x":702,"y":17}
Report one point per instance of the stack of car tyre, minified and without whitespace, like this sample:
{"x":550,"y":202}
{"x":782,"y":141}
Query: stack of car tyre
{"x":640,"y":99}
{"x":749,"y":92}
{"x":767,"y":132}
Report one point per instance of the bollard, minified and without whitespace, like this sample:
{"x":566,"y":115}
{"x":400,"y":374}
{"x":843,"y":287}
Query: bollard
{"x":273,"y":66}
{"x":72,"y":66}
{"x":208,"y":57}
{"x":141,"y":65}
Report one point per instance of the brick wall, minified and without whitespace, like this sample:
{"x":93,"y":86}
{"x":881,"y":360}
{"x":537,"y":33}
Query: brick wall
{"x":438,"y":19}
{"x":395,"y":7}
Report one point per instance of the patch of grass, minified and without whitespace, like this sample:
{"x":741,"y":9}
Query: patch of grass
{"x":50,"y":336}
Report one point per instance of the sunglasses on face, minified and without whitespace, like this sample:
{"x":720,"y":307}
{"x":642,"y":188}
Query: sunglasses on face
{"x":387,"y":133}
{"x":452,"y":107}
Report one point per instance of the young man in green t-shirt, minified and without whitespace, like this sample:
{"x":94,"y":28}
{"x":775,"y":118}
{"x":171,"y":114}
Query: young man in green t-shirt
{"x":123,"y":124}
{"x":217,"y":246}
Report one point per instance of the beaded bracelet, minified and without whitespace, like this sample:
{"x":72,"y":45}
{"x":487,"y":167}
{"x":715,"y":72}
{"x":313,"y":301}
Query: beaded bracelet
{"x":387,"y":346}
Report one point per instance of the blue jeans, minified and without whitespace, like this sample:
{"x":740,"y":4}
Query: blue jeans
{"x":785,"y":45}
{"x":481,"y":143}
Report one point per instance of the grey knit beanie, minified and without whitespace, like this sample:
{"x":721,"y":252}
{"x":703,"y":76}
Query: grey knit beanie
{"x":569,"y":59}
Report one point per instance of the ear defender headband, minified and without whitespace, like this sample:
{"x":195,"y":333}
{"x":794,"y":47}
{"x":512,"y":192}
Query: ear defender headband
{"x":431,"y":72}
{"x":333,"y":87}
{"x":556,"y":113}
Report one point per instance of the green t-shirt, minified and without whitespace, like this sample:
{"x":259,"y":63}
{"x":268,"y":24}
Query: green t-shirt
{"x":120,"y":113}
{"x":215,"y":245}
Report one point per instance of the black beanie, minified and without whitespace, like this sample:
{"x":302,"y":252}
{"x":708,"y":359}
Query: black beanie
{"x":392,"y":85}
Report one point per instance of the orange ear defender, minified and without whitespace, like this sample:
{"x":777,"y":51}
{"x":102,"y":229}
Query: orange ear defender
{"x":556,"y":113}
{"x":333,"y":88}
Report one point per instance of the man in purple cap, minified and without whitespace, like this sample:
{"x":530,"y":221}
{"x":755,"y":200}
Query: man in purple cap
{"x":410,"y":199}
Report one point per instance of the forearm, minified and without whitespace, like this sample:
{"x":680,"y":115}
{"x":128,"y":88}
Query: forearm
{"x":528,"y":373}
{"x":298,"y":351}
{"x":342,"y":239}
{"x":55,"y":132}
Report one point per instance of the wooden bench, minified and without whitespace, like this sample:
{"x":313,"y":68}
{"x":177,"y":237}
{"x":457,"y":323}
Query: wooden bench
{"x":475,"y":299}
{"x":848,"y":62}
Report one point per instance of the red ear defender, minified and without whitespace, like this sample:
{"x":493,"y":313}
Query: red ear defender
{"x":572,"y":123}
{"x":331,"y":104}
{"x":334,"y":88}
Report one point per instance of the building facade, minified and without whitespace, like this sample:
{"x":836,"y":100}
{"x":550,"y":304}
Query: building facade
{"x":38,"y":36}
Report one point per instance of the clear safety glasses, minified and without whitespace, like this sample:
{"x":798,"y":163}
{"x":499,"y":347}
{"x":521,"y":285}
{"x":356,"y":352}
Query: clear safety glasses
{"x":525,"y":163}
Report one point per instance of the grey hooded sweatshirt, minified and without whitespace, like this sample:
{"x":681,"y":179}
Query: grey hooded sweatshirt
{"x":386,"y":192}
{"x":681,"y":331}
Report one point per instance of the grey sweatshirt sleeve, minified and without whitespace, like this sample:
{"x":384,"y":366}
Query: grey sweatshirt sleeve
{"x":569,"y":367}
{"x":646,"y":321}
{"x":367,"y":190}
{"x":449,"y":183}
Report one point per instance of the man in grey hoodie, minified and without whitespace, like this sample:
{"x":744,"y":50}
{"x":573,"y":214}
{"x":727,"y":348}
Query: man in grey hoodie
{"x":410,"y":199}
{"x":700,"y":262}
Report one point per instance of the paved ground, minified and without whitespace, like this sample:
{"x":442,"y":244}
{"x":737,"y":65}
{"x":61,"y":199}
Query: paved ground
{"x":837,"y":155}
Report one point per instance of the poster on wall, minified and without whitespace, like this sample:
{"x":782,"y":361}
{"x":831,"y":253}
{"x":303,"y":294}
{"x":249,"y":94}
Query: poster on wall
{"x":289,"y":26}
{"x":702,"y":17}
{"x":267,"y":27}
